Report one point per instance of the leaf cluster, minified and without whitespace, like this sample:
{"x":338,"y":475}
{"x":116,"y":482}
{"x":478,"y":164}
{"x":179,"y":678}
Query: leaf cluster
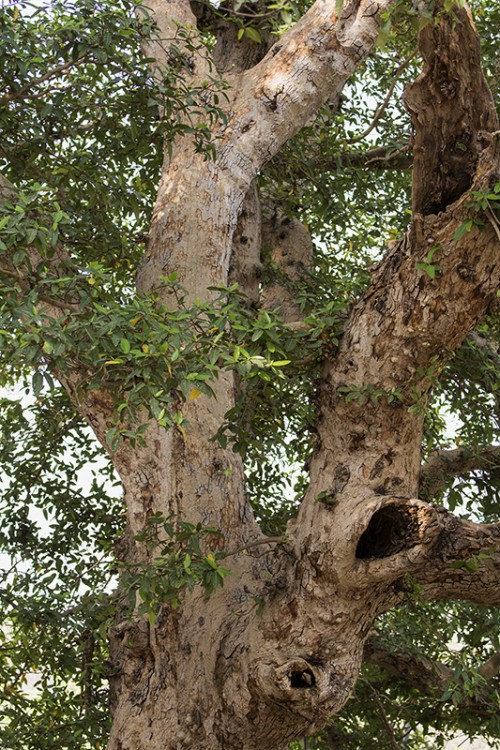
{"x":176,"y":561}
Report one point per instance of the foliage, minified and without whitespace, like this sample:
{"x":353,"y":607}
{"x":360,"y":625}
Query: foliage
{"x":56,"y":536}
{"x":174,"y":562}
{"x":82,"y":140}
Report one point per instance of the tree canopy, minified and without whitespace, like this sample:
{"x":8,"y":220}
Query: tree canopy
{"x":85,"y":118}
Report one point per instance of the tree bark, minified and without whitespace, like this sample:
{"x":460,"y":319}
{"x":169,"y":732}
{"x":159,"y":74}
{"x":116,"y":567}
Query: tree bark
{"x":271,"y":655}
{"x":275,"y":652}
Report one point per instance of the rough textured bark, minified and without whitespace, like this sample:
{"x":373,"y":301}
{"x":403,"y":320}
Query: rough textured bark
{"x":219,"y":673}
{"x":273,"y":654}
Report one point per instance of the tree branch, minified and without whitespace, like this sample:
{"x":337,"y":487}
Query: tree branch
{"x":306,"y":67}
{"x":443,"y":466}
{"x":290,"y":248}
{"x":385,"y":720}
{"x":232,"y":54}
{"x":425,"y":296}
{"x":491,"y":667}
{"x":24,"y":90}
{"x":171,"y":18}
{"x":95,"y":406}
{"x":449,"y":138}
{"x":381,"y":109}
{"x":430,"y":677}
{"x":465,"y":563}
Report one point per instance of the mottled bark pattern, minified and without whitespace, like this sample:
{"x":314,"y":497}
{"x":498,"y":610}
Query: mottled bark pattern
{"x":274,"y":653}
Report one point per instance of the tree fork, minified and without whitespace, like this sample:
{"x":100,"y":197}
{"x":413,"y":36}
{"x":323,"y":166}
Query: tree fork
{"x":274,"y":653}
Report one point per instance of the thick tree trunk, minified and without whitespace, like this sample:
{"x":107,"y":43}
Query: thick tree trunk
{"x":276,"y":651}
{"x":271,"y":655}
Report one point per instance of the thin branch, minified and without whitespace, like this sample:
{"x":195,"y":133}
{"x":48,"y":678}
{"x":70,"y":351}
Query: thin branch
{"x":381,"y":109}
{"x":443,"y":466}
{"x":376,"y":158}
{"x":388,"y":726}
{"x":60,"y":304}
{"x":493,"y":221}
{"x":245,"y":547}
{"x":19,"y":94}
{"x":429,"y":677}
{"x":224,"y":11}
{"x":391,"y":159}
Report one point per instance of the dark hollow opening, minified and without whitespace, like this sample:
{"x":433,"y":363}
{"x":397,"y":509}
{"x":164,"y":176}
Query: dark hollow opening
{"x":391,"y":529}
{"x":304,"y":679}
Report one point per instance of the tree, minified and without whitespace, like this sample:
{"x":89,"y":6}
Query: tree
{"x":165,"y":168}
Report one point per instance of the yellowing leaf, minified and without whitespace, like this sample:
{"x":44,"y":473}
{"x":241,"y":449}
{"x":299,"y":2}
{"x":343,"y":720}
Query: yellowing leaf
{"x":145,"y":348}
{"x":194,"y":393}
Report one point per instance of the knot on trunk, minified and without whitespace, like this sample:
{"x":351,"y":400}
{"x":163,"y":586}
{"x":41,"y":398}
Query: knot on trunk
{"x":296,"y":694}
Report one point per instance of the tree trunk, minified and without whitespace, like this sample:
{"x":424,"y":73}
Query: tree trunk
{"x":276,"y":651}
{"x":271,"y":655}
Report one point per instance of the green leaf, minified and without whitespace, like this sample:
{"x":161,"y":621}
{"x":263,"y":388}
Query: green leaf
{"x":37,"y":383}
{"x":252,"y":33}
{"x":125,"y":345}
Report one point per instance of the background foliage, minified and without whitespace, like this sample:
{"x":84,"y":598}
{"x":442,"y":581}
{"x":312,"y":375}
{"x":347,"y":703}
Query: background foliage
{"x":82,"y":142}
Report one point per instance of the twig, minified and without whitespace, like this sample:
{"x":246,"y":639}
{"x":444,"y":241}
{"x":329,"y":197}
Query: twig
{"x":390,"y":731}
{"x":383,"y":106}
{"x":241,"y":14}
{"x":41,"y":79}
{"x":267,"y":540}
{"x":390,"y":156}
{"x":493,"y":221}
